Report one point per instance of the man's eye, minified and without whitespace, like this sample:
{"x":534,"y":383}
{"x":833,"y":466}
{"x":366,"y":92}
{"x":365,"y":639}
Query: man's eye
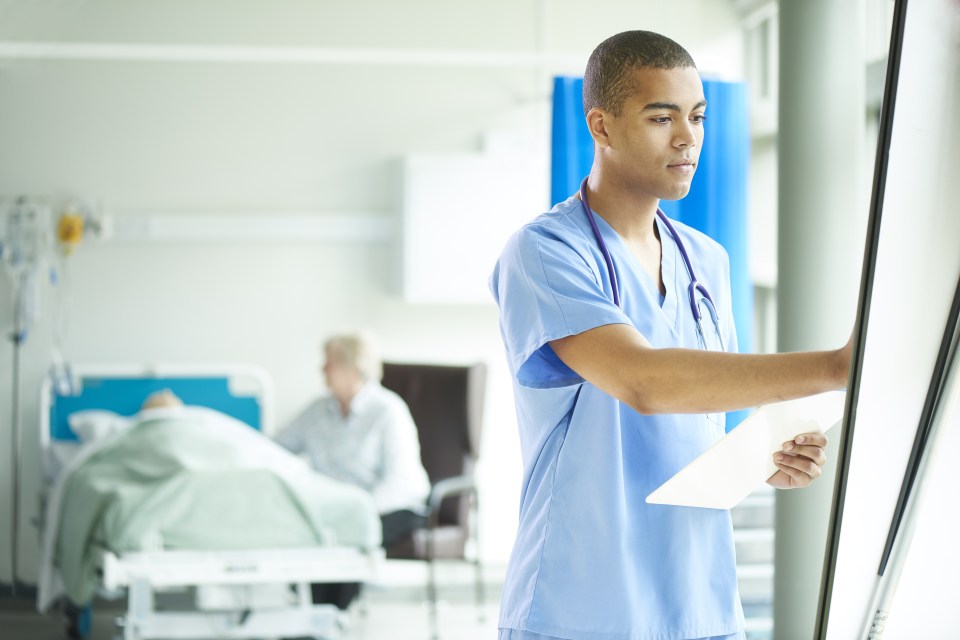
{"x":662,"y":120}
{"x":700,"y":118}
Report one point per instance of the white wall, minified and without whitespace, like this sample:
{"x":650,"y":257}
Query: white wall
{"x":161,"y":137}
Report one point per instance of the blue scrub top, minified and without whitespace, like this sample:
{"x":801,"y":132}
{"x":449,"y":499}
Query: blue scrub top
{"x":592,"y":560}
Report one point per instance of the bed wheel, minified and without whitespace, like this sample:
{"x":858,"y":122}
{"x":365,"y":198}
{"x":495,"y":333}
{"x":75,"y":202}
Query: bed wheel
{"x":79,"y":622}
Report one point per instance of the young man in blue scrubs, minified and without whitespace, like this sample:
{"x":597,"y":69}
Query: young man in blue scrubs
{"x":614,"y":396}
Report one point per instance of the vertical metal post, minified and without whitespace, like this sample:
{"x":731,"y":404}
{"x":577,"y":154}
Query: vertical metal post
{"x":822,"y":188}
{"x":18,"y":338}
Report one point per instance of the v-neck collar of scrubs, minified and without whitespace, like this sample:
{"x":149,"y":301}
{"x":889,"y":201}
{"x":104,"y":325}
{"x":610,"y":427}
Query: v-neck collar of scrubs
{"x":669,"y":302}
{"x":669,"y":274}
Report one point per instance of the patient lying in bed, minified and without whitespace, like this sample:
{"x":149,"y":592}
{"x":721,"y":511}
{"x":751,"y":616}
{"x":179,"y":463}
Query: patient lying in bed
{"x":184,"y":477}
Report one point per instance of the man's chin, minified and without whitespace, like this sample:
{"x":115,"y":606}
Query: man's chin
{"x":676,"y":194}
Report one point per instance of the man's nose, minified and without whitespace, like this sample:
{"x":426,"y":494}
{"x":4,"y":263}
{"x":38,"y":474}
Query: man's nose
{"x":685,"y":134}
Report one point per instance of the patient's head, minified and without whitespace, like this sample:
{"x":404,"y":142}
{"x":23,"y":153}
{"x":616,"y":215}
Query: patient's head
{"x":351,"y":360}
{"x":161,"y":399}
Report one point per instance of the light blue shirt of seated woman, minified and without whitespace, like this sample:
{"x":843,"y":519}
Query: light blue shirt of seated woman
{"x":592,"y":560}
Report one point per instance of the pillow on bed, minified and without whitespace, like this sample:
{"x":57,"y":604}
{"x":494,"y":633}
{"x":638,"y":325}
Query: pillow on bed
{"x":91,"y":425}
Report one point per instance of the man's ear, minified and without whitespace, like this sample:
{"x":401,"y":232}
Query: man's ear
{"x":597,"y":120}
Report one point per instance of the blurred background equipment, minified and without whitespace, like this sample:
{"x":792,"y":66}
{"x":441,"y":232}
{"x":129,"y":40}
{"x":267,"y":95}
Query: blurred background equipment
{"x":24,"y":251}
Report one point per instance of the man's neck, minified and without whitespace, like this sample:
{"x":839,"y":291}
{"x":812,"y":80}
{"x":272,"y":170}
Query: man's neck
{"x":632,"y":216}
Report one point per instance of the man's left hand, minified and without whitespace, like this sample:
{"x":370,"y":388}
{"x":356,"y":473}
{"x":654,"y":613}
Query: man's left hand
{"x":800,"y":462}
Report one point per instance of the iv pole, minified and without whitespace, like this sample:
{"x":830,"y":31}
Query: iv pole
{"x":23,"y":251}
{"x":18,"y":337}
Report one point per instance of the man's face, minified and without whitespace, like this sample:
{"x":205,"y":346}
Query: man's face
{"x":655,"y":141}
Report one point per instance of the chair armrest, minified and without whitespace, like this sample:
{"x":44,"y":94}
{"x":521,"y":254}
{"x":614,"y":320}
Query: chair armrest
{"x":446,"y":488}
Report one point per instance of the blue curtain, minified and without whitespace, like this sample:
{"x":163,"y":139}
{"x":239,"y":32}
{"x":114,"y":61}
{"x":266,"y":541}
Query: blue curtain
{"x":717,"y":202}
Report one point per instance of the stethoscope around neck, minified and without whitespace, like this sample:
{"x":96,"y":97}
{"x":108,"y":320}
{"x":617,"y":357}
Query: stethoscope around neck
{"x":694,"y":291}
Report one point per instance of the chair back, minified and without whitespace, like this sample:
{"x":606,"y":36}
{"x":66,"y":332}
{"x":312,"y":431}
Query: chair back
{"x":446,"y":403}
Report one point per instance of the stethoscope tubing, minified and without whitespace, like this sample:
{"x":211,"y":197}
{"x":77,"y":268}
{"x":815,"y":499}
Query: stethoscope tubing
{"x":695,"y":285}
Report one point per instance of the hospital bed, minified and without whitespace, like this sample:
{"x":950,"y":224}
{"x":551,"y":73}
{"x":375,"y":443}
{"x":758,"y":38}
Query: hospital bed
{"x":249,"y":590}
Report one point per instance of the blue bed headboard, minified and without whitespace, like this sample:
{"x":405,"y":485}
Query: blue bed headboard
{"x":125,"y":395}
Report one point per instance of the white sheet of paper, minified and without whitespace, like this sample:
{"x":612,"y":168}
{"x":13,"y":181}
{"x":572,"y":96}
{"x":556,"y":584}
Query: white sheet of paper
{"x":737,"y":464}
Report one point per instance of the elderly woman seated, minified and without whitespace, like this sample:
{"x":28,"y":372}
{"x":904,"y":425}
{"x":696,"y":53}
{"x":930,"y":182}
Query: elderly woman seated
{"x":362,"y":434}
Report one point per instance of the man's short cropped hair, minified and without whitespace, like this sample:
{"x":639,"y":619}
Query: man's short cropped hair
{"x":606,"y":82}
{"x":359,"y":351}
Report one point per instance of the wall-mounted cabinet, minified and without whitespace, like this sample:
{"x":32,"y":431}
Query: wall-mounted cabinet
{"x":458,"y":211}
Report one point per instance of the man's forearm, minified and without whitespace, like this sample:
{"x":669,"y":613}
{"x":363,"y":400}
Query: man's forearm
{"x":620,"y":361}
{"x":690,"y":381}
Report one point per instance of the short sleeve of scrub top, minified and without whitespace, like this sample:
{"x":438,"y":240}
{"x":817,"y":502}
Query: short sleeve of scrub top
{"x":555,"y":290}
{"x":592,"y":560}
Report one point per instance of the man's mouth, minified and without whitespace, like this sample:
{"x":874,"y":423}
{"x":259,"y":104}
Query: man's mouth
{"x":684,"y":166}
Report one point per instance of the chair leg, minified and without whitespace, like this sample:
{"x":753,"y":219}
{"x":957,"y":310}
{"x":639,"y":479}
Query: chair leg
{"x":481,"y":613}
{"x":362,"y":609}
{"x":432,"y":588}
{"x":475,"y":508}
{"x":432,"y":596}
